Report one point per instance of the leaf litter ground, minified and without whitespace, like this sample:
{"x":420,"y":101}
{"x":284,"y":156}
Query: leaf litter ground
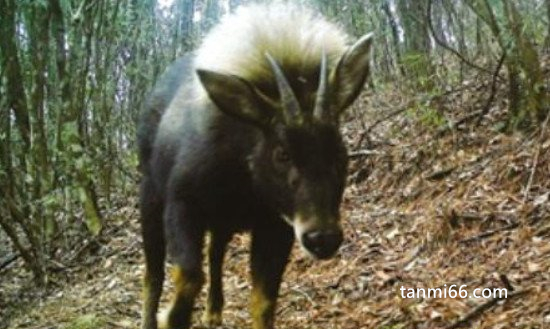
{"x":435,"y":197}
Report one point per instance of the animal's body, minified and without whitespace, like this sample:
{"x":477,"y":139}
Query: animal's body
{"x":243,"y":135}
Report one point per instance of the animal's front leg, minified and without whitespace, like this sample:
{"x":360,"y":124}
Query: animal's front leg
{"x":214,"y":303}
{"x":184,"y":237}
{"x":270,"y":249}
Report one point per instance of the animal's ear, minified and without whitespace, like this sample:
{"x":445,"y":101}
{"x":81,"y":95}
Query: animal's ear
{"x":235,"y":96}
{"x":349,"y":75}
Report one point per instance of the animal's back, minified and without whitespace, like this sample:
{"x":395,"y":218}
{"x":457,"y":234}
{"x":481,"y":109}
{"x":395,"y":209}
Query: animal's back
{"x":156,"y":104}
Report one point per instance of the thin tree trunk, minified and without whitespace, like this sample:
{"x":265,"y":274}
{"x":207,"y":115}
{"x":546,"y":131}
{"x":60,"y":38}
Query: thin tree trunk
{"x":395,"y":36}
{"x":533,"y":97}
{"x":547,"y":42}
{"x":16,"y":96}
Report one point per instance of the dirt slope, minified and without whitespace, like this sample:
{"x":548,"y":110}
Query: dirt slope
{"x":436,"y":196}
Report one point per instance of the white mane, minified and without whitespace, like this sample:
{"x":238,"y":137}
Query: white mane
{"x":294,"y":35}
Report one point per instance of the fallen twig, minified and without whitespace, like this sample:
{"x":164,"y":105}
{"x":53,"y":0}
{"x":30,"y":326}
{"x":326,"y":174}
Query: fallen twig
{"x":440,"y":174}
{"x":419,"y":250}
{"x":8,"y":260}
{"x":478,"y":310}
{"x":535,"y":159}
{"x":387,"y":116}
{"x":305,"y":294}
{"x":361,"y":153}
{"x":507,"y":284}
{"x":489,"y":233}
{"x":470,"y":116}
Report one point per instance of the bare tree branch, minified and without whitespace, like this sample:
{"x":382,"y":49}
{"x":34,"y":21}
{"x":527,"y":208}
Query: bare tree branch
{"x":449,"y":48}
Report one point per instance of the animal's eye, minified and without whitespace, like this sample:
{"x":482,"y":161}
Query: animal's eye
{"x":280,"y":156}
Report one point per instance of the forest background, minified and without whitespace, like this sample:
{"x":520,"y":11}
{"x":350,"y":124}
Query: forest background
{"x":74,"y":75}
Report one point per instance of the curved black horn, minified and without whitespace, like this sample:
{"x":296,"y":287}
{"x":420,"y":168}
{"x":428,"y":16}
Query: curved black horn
{"x":291,"y":107}
{"x":321,"y":102}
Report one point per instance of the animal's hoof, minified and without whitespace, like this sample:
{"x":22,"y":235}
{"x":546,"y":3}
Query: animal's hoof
{"x":212,"y":319}
{"x":162,"y":319}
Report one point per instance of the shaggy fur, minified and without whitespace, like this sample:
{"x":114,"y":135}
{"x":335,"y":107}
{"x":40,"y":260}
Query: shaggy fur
{"x":293,"y":35}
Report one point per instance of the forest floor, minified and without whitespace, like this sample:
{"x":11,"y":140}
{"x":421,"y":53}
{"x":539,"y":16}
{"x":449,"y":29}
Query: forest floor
{"x":437,"y":196}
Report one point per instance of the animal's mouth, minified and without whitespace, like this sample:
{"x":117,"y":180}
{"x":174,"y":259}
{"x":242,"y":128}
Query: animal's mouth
{"x":319,"y":242}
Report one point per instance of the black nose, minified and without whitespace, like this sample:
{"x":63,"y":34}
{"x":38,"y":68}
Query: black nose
{"x":322,"y":243}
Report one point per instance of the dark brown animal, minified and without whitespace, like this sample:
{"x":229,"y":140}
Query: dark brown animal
{"x":244,"y":135}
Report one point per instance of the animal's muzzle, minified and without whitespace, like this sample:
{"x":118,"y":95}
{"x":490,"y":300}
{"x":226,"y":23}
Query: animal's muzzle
{"x":322,"y":243}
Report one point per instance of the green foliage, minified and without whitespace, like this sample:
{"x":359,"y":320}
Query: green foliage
{"x":419,"y":70}
{"x":430,"y":116}
{"x":427,"y":115}
{"x":88,"y":321}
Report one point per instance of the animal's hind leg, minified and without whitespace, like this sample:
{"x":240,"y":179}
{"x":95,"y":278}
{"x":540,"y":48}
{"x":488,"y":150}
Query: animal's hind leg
{"x":154,"y":249}
{"x":214,"y":303}
{"x":270,"y":250}
{"x":184,"y":237}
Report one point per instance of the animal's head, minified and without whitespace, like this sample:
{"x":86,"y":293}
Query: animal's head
{"x":300,"y":162}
